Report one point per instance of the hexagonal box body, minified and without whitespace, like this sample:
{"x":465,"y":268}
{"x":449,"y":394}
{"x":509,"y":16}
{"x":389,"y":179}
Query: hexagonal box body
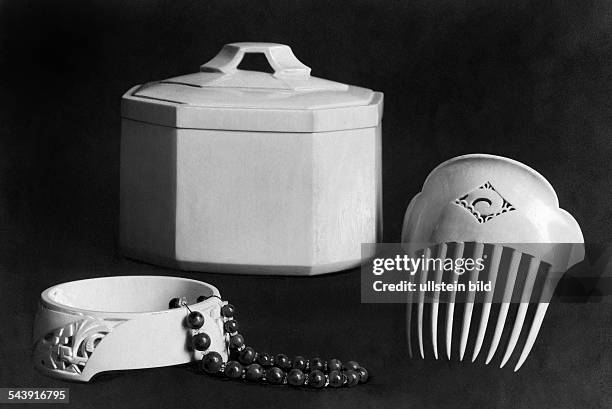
{"x":247,"y":172}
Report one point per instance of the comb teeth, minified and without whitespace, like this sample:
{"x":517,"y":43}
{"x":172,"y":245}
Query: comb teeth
{"x":450,"y":310}
{"x":442,"y":248}
{"x":486,"y":307}
{"x":469,"y":304}
{"x":503,"y":279}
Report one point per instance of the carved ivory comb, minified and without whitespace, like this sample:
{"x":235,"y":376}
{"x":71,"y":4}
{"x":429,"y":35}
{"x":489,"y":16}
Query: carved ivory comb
{"x":505,"y":213}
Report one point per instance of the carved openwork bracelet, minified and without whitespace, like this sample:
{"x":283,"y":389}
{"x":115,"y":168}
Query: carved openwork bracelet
{"x":86,"y":327}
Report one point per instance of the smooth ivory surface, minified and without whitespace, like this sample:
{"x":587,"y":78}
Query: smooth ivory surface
{"x":249,"y":202}
{"x":285,"y":177}
{"x":224,"y":97}
{"x":86,"y":327}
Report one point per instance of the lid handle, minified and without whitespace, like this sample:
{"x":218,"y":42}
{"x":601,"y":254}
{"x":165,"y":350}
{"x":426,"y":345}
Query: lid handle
{"x":279,"y":56}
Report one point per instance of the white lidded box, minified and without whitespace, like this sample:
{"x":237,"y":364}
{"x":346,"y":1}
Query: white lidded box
{"x":241,"y":171}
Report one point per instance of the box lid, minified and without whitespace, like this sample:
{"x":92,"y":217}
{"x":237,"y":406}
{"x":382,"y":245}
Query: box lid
{"x":221,"y":96}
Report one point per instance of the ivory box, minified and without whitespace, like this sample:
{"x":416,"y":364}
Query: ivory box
{"x":239,"y":171}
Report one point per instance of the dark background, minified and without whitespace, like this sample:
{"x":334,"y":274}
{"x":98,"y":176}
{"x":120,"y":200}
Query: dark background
{"x":527,"y":80}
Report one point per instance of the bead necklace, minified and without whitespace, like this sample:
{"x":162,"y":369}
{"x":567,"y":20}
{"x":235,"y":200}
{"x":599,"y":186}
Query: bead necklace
{"x":246,"y":363}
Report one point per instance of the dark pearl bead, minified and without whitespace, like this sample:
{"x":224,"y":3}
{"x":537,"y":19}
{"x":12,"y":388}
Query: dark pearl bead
{"x":264,"y":359}
{"x":275,"y":375}
{"x":211,"y":362}
{"x":233,"y":370}
{"x":283,"y":362}
{"x":316,"y":379}
{"x":195,"y":320}
{"x":363,"y":374}
{"x":174,"y":303}
{"x":201,"y":341}
{"x":299,"y":363}
{"x":317,"y":363}
{"x":254,"y":372}
{"x":334,"y":365}
{"x":350,"y":365}
{"x":202,"y":298}
{"x":247,"y":356}
{"x":236,"y":341}
{"x":296,"y":377}
{"x":230,"y":326}
{"x":335,"y":379}
{"x":227,"y":310}
{"x":352,"y":378}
